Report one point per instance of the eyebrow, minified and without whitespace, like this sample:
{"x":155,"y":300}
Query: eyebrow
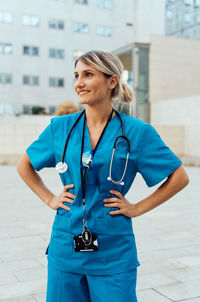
{"x":85,"y":70}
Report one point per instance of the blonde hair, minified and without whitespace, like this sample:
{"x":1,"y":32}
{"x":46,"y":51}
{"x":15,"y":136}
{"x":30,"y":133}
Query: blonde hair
{"x":122,"y":95}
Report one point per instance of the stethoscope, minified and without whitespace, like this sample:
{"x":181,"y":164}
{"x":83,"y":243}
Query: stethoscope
{"x":62,"y":166}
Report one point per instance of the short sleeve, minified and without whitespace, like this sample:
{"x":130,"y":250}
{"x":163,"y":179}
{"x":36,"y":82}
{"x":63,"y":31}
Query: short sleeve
{"x":155,"y":161}
{"x":41,"y":151}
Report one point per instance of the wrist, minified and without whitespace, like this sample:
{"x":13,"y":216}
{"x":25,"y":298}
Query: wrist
{"x":48,"y":199}
{"x":135,"y":210}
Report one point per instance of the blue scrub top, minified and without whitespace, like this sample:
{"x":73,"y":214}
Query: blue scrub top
{"x":148,"y":155}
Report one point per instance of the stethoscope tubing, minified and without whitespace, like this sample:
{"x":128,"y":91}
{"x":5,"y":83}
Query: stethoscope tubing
{"x":93,"y":151}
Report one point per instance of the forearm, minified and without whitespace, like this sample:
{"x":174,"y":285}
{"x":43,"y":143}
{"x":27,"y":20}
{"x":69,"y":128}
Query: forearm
{"x":33,"y":180}
{"x":175,"y":183}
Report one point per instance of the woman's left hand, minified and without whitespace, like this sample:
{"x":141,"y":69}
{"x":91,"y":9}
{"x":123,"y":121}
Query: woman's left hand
{"x":125,"y":207}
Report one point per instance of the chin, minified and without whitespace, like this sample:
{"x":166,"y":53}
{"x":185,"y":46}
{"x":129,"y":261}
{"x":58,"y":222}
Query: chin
{"x":85,"y":101}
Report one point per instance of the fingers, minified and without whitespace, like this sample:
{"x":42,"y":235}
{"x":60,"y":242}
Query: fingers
{"x":61,"y":205}
{"x":67,"y":200}
{"x":115,"y":212}
{"x":119,"y":195}
{"x":67,"y":187}
{"x":68,"y":194}
{"x":112,"y":199}
{"x":115,"y":204}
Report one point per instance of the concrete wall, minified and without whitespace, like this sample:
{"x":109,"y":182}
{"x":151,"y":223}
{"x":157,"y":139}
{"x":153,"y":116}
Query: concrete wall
{"x":149,"y":17}
{"x":174,"y":92}
{"x":180,"y":112}
{"x":174,"y":68}
{"x":17,"y":133}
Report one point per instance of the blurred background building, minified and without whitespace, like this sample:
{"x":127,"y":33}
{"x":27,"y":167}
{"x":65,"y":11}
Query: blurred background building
{"x":183,"y":18}
{"x":157,"y":41}
{"x":41,"y":39}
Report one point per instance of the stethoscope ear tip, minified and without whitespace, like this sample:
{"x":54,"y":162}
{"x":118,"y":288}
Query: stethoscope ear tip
{"x":108,"y":178}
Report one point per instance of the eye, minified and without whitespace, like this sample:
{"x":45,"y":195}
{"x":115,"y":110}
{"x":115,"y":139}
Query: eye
{"x":89,"y":74}
{"x":75,"y":76}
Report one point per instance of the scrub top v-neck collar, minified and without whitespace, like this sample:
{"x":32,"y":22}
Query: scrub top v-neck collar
{"x":87,"y":134}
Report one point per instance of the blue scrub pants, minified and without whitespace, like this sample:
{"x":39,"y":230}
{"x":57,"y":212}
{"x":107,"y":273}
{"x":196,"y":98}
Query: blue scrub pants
{"x":69,"y":287}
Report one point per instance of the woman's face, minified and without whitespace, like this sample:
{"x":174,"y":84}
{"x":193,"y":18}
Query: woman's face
{"x":91,"y":85}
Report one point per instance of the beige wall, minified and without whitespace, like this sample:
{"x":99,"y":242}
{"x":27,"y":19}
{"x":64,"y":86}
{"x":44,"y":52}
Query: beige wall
{"x":17,"y":133}
{"x":174,"y":66}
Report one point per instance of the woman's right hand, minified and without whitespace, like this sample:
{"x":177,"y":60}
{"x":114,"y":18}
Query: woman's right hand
{"x":57,"y":201}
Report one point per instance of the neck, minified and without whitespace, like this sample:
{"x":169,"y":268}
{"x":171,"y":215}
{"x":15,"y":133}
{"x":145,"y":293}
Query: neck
{"x":98,"y":115}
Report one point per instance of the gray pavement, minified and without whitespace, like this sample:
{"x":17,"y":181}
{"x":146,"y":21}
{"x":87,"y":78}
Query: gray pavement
{"x":168,"y":241}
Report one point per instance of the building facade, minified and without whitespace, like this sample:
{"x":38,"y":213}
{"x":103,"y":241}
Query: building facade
{"x":183,"y":18}
{"x":40,"y":40}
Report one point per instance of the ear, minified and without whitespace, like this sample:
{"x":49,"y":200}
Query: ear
{"x":113,"y":81}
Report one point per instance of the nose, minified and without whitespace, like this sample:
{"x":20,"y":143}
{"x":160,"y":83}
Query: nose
{"x":79,"y":83}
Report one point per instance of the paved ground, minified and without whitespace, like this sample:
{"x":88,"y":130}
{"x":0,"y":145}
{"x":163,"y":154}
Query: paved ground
{"x":167,"y":240}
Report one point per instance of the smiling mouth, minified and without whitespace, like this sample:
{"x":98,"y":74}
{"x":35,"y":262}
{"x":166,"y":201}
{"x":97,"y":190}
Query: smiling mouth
{"x":83,"y":92}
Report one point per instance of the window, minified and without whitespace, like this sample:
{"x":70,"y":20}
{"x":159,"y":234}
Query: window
{"x":29,"y":20}
{"x":5,"y":78}
{"x":81,"y":1}
{"x":81,"y":28}
{"x":6,"y":17}
{"x":30,"y":50}
{"x":56,"y":82}
{"x":27,"y":109}
{"x":104,"y":4}
{"x":187,"y":18}
{"x":196,"y":3}
{"x":104,"y":31}
{"x":30,"y":80}
{"x":169,"y":14}
{"x":56,"y":53}
{"x":188,"y":2}
{"x":77,"y":53}
{"x":56,"y":24}
{"x":52,"y":109}
{"x":6,"y":48}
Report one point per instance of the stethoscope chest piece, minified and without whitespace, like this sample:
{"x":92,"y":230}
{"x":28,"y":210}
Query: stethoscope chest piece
{"x":61,"y":167}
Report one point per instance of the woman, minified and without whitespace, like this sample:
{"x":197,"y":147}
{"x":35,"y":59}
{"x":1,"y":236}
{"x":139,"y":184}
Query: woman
{"x":92,"y":213}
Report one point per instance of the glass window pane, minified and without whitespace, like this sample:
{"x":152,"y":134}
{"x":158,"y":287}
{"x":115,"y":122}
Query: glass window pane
{"x":35,"y":80}
{"x":104,"y":4}
{"x":81,"y":27}
{"x":81,"y":1}
{"x":187,"y":18}
{"x":8,"y":48}
{"x":7,"y":78}
{"x":7,"y":17}
{"x":52,"y":53}
{"x":52,"y":24}
{"x":51,"y":82}
{"x":60,"y":54}
{"x":35,"y":21}
{"x":77,"y":53}
{"x":26,"y":80}
{"x":60,"y":82}
{"x":60,"y":25}
{"x":26,"y":50}
{"x":35,"y":51}
{"x":188,"y":2}
{"x":26,"y":20}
